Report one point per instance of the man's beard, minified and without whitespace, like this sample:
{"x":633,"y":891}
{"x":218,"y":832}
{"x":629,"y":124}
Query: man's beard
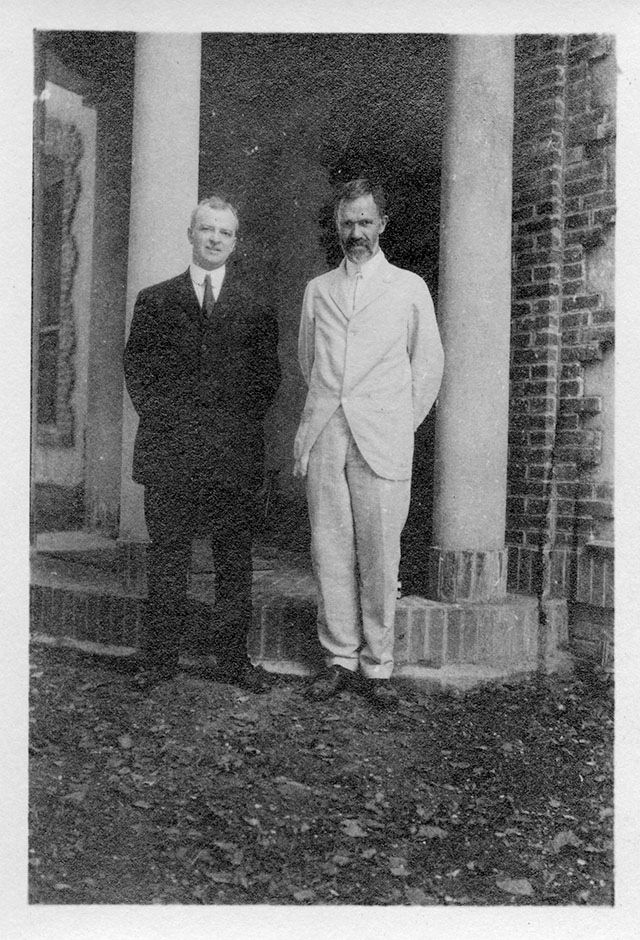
{"x":359,"y":248}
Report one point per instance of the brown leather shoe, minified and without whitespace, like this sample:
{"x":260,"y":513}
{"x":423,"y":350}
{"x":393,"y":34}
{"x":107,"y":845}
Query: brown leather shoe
{"x":381,"y":693}
{"x":329,"y":683}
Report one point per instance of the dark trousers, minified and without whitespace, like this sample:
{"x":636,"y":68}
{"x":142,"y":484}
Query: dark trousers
{"x":174,"y":515}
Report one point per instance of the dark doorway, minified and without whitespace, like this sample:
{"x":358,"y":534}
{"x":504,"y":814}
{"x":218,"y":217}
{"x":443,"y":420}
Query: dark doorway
{"x":284,"y":118}
{"x":350,"y":105}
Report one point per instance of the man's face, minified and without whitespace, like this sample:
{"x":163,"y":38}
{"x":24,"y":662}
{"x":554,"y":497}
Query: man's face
{"x":359,"y":225}
{"x":212,"y":236}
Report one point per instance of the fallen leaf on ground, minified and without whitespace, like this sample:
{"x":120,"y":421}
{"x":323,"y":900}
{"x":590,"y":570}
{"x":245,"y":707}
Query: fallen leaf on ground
{"x":398,"y":866}
{"x":221,"y":877}
{"x":340,"y":860}
{"x":285,"y":785}
{"x":93,"y":684}
{"x":352,"y":828}
{"x":564,"y":838}
{"x":432,"y":832}
{"x":77,"y":796}
{"x":419,"y":896}
{"x":306,"y":894}
{"x":374,"y":808}
{"x":521,"y":886}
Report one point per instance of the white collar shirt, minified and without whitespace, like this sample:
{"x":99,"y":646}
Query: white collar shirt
{"x":357,"y":276}
{"x":198,"y":275}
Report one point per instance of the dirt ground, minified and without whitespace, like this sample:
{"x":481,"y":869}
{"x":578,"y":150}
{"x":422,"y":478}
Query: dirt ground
{"x":195,"y":792}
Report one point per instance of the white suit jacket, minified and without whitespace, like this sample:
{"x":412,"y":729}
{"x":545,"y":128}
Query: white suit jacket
{"x":383,"y":363}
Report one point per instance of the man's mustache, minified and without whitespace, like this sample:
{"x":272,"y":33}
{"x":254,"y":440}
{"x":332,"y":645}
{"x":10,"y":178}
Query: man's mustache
{"x":357,"y":241}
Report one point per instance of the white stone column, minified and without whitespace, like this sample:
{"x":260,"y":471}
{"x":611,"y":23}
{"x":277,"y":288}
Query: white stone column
{"x":164,"y":190}
{"x":468,"y":559}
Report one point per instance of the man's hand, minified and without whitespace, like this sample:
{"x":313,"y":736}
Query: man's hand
{"x":300,"y":466}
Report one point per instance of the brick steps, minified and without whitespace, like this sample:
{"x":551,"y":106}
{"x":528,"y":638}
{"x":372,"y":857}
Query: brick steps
{"x":443,"y":644}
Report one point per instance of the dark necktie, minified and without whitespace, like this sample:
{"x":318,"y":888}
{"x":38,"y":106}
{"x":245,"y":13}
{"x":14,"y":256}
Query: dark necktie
{"x":209,"y":300}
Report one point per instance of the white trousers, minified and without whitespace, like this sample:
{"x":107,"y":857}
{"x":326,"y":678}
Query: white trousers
{"x":357,"y":519}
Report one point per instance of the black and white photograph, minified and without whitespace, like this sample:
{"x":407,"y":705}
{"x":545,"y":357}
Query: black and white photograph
{"x":320,"y":388}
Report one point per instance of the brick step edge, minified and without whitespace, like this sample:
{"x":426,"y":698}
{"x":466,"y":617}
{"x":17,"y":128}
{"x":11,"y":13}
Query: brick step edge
{"x":107,"y":650}
{"x":505,"y":637}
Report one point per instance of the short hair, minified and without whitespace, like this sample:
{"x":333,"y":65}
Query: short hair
{"x":215,"y":202}
{"x":354,"y":189}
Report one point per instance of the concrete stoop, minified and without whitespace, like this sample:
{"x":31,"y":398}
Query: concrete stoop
{"x":441,"y":645}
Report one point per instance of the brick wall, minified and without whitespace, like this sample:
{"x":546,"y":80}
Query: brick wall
{"x":562,"y":310}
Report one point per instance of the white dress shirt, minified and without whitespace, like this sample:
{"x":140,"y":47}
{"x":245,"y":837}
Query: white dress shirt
{"x":198,"y":275}
{"x":357,"y":274}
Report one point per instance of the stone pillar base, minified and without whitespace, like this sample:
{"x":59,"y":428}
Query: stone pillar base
{"x":455,"y":576}
{"x":463,"y":645}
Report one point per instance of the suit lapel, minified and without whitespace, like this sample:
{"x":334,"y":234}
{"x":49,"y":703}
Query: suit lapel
{"x":234,"y":299}
{"x":338,"y":289}
{"x":185,"y":299}
{"x":374,"y":287}
{"x":225,"y":301}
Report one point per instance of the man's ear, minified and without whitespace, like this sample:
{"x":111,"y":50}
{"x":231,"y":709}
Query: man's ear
{"x":384,"y":219}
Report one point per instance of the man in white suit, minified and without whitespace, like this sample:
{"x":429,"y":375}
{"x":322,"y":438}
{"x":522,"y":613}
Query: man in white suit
{"x":371,"y":356}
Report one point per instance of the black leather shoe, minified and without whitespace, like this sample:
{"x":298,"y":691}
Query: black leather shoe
{"x":252,"y":678}
{"x":329,"y":683}
{"x":381,"y":693}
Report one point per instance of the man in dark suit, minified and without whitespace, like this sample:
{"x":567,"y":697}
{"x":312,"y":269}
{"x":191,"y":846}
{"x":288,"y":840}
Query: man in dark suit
{"x":201,"y":367}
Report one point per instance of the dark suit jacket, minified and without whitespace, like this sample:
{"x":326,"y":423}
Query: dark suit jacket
{"x":201,"y":388}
